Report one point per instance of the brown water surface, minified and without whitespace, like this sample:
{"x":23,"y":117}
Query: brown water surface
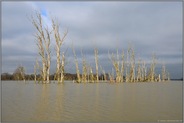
{"x":98,"y":102}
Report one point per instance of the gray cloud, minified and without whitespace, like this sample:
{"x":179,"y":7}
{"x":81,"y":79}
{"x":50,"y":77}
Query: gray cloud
{"x":149,"y":26}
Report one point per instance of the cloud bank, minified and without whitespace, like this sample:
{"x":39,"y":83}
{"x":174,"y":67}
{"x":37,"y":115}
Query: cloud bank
{"x":152,"y":27}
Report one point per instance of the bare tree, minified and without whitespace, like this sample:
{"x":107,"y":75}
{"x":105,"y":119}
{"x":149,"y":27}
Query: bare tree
{"x":62,"y":67}
{"x":115,"y":62}
{"x":84,"y":68}
{"x":139,"y":77}
{"x":43,"y":42}
{"x":91,"y":74}
{"x":122,"y":66}
{"x":132,"y":64}
{"x":77,"y":67}
{"x":96,"y":62}
{"x":151,"y":74}
{"x":59,"y":42}
{"x":19,"y":73}
{"x":163,"y":72}
{"x":36,"y":66}
{"x":104,"y":74}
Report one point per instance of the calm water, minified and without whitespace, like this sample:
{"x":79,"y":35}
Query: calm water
{"x":99,"y":102}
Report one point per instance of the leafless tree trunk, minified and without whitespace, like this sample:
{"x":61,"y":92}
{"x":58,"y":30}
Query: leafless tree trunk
{"x":143,"y":71}
{"x":43,"y":43}
{"x":139,"y":77}
{"x":62,"y":67}
{"x":77,"y":67}
{"x":59,"y":42}
{"x":36,"y":66}
{"x":127,"y":69}
{"x":96,"y":62}
{"x":104,"y":74}
{"x":122,"y":66}
{"x":91,"y":74}
{"x":132,"y":63}
{"x":163,"y":72}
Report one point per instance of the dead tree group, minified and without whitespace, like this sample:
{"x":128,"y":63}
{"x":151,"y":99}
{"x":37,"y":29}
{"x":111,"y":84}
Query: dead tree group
{"x":126,"y":68}
{"x":43,"y":39}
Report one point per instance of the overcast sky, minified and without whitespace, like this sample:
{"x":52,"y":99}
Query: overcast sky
{"x":151,"y":27}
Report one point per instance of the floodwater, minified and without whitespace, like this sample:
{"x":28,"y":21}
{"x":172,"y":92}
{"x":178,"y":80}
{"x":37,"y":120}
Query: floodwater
{"x":92,"y":102}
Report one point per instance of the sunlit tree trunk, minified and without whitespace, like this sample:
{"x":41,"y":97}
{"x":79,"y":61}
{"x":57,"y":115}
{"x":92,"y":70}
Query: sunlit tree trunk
{"x":43,"y":43}
{"x":153,"y":67}
{"x":62,"y":67}
{"x":91,"y":75}
{"x":104,"y":74}
{"x":36,"y":66}
{"x":115,"y":63}
{"x":59,"y":42}
{"x":84,"y":69}
{"x":132,"y":63}
{"x":96,"y":62}
{"x":77,"y":67}
{"x":163,"y":72}
{"x":139,"y":77}
{"x":122,"y":66}
{"x":127,"y":69}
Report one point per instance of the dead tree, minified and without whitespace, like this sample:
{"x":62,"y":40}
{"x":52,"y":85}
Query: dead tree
{"x":151,"y":75}
{"x":84,"y":68}
{"x":104,"y":74}
{"x":62,"y":67}
{"x":132,"y":64}
{"x":77,"y":67}
{"x":115,"y":63}
{"x":59,"y":41}
{"x":96,"y":62}
{"x":122,"y":66}
{"x":36,"y":66}
{"x":91,"y":74}
{"x":43,"y":42}
{"x":19,"y":73}
{"x":163,"y":72}
{"x":139,"y":77}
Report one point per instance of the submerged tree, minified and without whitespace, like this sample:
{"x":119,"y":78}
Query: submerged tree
{"x":19,"y":73}
{"x":59,"y":41}
{"x":84,"y":69}
{"x":77,"y":67}
{"x":96,"y":62}
{"x":115,"y":62}
{"x":62,"y":67}
{"x":163,"y":72}
{"x":43,"y":38}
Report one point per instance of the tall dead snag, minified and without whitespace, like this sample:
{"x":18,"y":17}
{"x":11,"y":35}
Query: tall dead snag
{"x":59,"y":42}
{"x":43,"y":43}
{"x":62,"y":67}
{"x":96,"y":62}
{"x":77,"y":67}
{"x":139,"y":77}
{"x":84,"y":69}
{"x":151,"y":75}
{"x":168,"y":76}
{"x":19,"y":73}
{"x":127,"y":78}
{"x":104,"y":74}
{"x":122,"y":67}
{"x":143,"y":71}
{"x":163,"y":72}
{"x":132,"y":64}
{"x":115,"y":63}
{"x":36,"y":66}
{"x":91,"y":74}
